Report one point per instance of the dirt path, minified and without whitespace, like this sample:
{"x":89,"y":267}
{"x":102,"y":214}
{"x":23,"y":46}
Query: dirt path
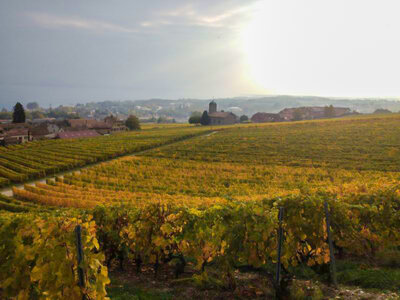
{"x":7,"y":191}
{"x":211,"y":133}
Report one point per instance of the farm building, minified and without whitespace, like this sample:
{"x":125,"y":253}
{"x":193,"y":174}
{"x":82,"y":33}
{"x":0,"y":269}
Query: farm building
{"x":14,"y":133}
{"x":220,"y":117}
{"x":261,"y":117}
{"x":115,"y":123}
{"x":17,"y":136}
{"x":45,"y":130}
{"x":313,"y":112}
{"x":89,"y":124}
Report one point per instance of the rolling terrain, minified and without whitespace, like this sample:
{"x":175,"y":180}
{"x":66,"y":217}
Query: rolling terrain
{"x":210,"y":204}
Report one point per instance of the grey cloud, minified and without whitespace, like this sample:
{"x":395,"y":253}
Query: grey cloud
{"x":53,"y":21}
{"x":72,"y":51}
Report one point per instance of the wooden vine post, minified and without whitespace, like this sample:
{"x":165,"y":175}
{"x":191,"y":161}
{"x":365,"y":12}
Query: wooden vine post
{"x":280,"y":238}
{"x":81,"y":277}
{"x":332,"y":263}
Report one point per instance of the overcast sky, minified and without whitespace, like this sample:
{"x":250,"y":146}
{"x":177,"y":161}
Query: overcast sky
{"x":65,"y":52}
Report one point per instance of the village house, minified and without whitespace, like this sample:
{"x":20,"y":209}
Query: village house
{"x":17,"y":136}
{"x":45,"y":130}
{"x":300,"y":113}
{"x":8,"y":126}
{"x":115,"y":123}
{"x":89,"y":124}
{"x":14,"y":133}
{"x":261,"y":117}
{"x":310,"y":113}
{"x":220,"y":117}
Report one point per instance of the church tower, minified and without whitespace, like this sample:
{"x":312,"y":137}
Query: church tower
{"x":212,"y":107}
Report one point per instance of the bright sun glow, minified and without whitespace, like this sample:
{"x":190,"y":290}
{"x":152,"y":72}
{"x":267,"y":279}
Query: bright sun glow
{"x":256,"y":47}
{"x":330,"y":48}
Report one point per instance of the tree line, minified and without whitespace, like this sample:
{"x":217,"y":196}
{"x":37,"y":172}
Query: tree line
{"x":19,"y":116}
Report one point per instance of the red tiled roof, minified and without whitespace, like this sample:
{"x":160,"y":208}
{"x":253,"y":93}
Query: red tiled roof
{"x":77,"y":122}
{"x":87,"y":123}
{"x":342,"y":110}
{"x":265,"y":117}
{"x":312,"y":111}
{"x":40,"y":130}
{"x":9,"y":126}
{"x":77,"y":134}
{"x":17,"y":132}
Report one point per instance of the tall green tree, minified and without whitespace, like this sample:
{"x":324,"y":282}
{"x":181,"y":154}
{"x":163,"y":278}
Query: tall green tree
{"x":205,"y":119}
{"x":132,"y":122}
{"x":329,"y":111}
{"x":37,"y":115}
{"x":19,"y":113}
{"x":298,"y":114}
{"x":244,"y":118}
{"x":32,"y":105}
{"x":382,"y":111}
{"x":195,"y":120}
{"x":195,"y":117}
{"x":196,"y":114}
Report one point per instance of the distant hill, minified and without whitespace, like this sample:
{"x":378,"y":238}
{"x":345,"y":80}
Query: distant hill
{"x":181,"y":109}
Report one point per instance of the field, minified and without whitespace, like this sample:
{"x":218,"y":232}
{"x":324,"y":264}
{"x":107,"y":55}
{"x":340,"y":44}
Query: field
{"x":211,"y":202}
{"x":360,"y":144}
{"x":20,"y":163}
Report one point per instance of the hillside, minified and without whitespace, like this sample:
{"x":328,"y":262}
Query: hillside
{"x":181,"y":109}
{"x":204,"y":208}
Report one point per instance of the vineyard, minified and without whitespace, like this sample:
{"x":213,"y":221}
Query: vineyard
{"x":358,"y":143}
{"x":19,"y":163}
{"x":140,"y":180}
{"x":211,"y":201}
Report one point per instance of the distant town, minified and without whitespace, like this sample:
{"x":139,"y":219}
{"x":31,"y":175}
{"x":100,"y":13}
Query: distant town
{"x":69,"y":122}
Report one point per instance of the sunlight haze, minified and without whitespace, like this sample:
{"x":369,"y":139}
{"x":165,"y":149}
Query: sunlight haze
{"x":331,"y":48}
{"x":67,"y":52}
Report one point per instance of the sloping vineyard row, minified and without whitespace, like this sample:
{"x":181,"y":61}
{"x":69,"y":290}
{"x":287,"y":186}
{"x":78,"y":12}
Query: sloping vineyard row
{"x":137,"y":180}
{"x":360,"y":143}
{"x":20,"y":163}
